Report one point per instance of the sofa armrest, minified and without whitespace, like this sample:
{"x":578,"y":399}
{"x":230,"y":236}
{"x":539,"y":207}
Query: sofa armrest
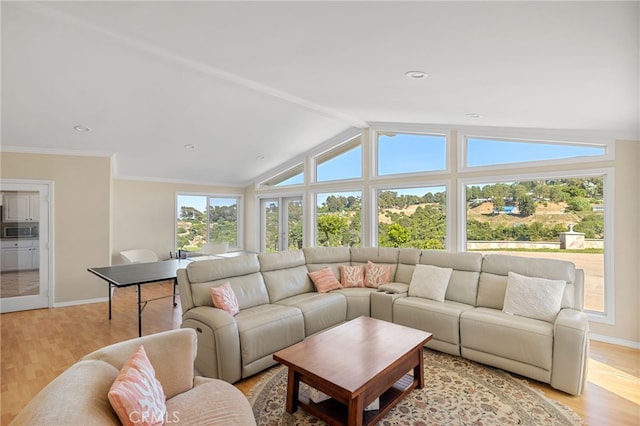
{"x":171,"y":354}
{"x":219,"y":355}
{"x":570,"y":351}
{"x":394,"y":287}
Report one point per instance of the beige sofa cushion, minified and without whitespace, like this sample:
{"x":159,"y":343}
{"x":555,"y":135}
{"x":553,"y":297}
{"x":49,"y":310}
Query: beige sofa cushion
{"x":496,"y":267}
{"x":242,"y":272}
{"x":407,"y":260}
{"x":463,"y":284}
{"x":285,"y":274}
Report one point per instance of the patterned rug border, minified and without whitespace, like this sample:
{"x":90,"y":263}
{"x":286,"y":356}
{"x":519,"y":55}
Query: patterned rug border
{"x":257,"y":394}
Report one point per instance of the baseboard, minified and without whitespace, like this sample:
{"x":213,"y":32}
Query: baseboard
{"x":614,"y":341}
{"x":80,"y":302}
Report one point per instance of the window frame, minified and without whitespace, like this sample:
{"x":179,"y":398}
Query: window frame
{"x":239,"y":216}
{"x":313,"y":200}
{"x":412,"y":130}
{"x":531,"y":137}
{"x":607,"y":173}
{"x":326,"y":155}
{"x":283,"y":176}
{"x":373,"y":210}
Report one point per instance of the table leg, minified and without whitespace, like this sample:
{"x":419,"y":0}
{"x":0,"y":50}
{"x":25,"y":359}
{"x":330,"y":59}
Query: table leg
{"x":293,"y":387}
{"x":139,"y":312}
{"x":418,"y":371}
{"x":175,"y":284}
{"x":109,"y":285}
{"x":356,"y":411}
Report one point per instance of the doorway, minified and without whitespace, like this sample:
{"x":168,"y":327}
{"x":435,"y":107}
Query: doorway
{"x":281,"y":224}
{"x":25,"y":279}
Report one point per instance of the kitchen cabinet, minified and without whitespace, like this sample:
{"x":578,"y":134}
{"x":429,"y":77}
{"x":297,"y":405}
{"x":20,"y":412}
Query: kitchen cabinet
{"x":21,"y":207}
{"x":19,"y":255}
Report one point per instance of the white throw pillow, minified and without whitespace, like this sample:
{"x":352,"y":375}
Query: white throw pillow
{"x":533,"y":297}
{"x":430,"y":282}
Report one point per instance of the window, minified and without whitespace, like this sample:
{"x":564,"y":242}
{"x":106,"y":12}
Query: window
{"x":487,"y":152}
{"x":281,"y":227}
{"x":560,"y":218}
{"x":412,"y":217}
{"x":293,"y":176}
{"x":203,"y":218}
{"x":338,"y":219}
{"x":343,"y":162}
{"x":410,"y":153}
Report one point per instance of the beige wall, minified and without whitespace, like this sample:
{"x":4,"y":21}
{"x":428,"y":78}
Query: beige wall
{"x":81,"y":229}
{"x":144,"y":214}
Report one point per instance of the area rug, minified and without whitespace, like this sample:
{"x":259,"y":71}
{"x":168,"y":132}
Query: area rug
{"x":457,"y":392}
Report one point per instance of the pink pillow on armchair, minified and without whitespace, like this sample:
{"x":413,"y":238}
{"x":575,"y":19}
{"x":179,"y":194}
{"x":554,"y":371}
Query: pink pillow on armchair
{"x":136,"y":395}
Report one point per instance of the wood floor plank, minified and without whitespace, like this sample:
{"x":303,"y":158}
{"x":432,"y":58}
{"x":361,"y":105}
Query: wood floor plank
{"x":36,"y":346}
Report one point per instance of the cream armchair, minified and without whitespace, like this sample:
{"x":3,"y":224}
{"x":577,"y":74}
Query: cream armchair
{"x":79,"y":395}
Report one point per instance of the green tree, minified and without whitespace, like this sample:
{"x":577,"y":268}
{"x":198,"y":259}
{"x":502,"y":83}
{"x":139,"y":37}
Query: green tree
{"x":398,"y":235}
{"x":579,"y":204}
{"x":526,"y":205}
{"x":331,"y":226}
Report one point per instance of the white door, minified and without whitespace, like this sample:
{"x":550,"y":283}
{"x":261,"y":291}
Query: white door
{"x":25,"y":280}
{"x":281,"y":223}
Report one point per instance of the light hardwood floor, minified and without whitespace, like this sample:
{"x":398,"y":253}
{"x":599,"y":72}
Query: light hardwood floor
{"x":36,"y":346}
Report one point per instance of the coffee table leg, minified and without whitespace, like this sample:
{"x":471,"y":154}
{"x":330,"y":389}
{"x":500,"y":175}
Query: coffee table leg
{"x":418,"y":371}
{"x":293,"y":386}
{"x":356,"y":411}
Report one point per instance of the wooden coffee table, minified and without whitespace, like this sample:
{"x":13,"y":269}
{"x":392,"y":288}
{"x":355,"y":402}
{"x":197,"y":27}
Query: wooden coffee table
{"x":354,"y":364}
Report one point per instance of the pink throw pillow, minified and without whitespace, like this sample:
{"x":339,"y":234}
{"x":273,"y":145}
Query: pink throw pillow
{"x":377,"y":275}
{"x":225,"y":298}
{"x":324,"y":280}
{"x":136,"y":395}
{"x":352,"y":276}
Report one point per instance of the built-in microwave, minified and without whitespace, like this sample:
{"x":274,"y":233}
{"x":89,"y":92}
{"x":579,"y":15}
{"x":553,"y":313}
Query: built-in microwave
{"x":20,"y":231}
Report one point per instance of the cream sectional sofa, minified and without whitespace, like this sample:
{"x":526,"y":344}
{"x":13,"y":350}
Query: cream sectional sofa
{"x":279,"y":306}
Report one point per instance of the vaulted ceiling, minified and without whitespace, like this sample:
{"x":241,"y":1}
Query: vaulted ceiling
{"x":255,"y":84}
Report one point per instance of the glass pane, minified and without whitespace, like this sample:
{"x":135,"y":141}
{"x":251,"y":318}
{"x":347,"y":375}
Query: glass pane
{"x":20,"y":265}
{"x":294,"y":219}
{"x":191,"y":222}
{"x":410,"y":153}
{"x":561,"y":219}
{"x":293,"y":176}
{"x":223,"y":220}
{"x":293,"y":180}
{"x":412,"y":217}
{"x":271,"y":227}
{"x":484,"y":152}
{"x":346,"y":165}
{"x":339,"y":221}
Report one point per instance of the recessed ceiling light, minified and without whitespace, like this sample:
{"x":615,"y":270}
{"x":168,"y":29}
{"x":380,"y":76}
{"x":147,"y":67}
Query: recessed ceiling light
{"x":474,"y":115}
{"x":416,"y":74}
{"x":81,"y":128}
{"x":189,"y":146}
